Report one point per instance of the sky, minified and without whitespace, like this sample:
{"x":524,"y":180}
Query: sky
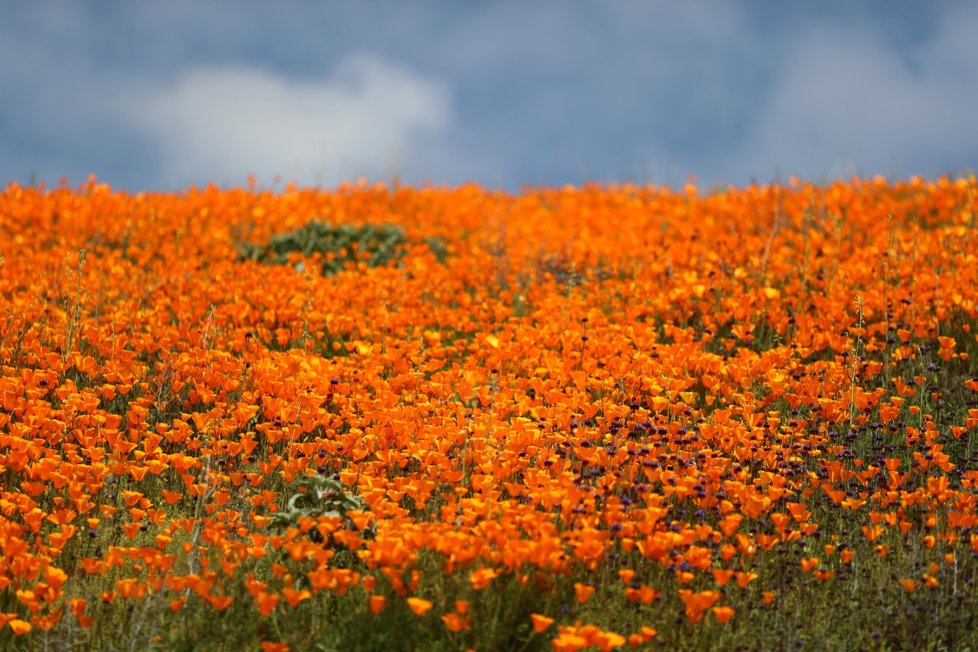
{"x":154,"y":95}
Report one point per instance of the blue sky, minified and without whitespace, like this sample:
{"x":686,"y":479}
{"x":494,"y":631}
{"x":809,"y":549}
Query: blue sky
{"x":163,"y":95}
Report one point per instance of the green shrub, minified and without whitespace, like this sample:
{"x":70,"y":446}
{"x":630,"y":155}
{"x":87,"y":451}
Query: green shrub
{"x":336,"y":245}
{"x":318,"y":496}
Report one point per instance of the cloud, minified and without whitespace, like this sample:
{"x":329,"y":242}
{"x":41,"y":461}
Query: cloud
{"x":222,"y":123}
{"x":845,"y":103}
{"x":609,"y":91}
{"x":163,"y":95}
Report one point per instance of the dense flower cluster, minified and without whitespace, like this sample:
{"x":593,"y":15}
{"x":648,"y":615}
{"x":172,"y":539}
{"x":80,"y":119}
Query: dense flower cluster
{"x":677,"y":388}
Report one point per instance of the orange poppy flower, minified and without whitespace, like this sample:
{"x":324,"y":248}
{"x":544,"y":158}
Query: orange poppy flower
{"x":583,"y":592}
{"x":723,"y":613}
{"x":541,"y":622}
{"x":419,"y":606}
{"x":456,"y":622}
{"x":19,"y":627}
{"x":274,"y":646}
{"x":480,"y":579}
{"x":377,"y":603}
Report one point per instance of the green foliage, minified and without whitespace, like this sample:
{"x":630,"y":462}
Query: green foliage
{"x":336,"y":245}
{"x":320,"y":496}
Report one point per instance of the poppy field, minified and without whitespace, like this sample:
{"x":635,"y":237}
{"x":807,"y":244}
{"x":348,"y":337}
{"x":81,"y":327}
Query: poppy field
{"x":594,"y":418}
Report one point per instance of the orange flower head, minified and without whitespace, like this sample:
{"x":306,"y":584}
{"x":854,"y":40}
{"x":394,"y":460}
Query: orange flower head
{"x":541,"y":622}
{"x":419,"y":606}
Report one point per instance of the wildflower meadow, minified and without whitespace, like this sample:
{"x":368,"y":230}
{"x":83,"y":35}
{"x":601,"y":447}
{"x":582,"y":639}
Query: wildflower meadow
{"x":584,"y":418}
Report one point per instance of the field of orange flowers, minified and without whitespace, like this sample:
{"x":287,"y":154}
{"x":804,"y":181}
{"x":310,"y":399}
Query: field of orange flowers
{"x":577,"y":418}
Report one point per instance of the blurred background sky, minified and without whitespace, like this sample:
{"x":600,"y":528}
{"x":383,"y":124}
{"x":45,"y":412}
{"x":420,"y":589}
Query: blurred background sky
{"x":162,"y":95}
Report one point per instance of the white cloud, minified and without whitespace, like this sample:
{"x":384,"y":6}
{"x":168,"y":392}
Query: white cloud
{"x":222,"y":123}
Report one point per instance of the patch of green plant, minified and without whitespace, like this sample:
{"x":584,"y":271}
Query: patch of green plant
{"x":319,"y":496}
{"x":336,"y":245}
